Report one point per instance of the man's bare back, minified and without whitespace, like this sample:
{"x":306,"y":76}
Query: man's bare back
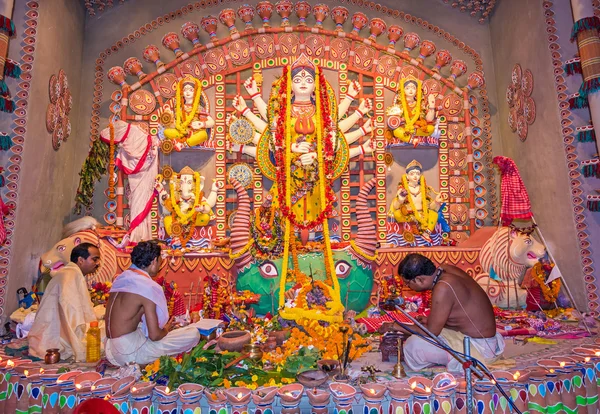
{"x":475,"y":317}
{"x":128,"y":309}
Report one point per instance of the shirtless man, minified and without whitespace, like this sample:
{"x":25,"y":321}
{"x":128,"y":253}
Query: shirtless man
{"x":459,"y":308}
{"x":138,"y":328}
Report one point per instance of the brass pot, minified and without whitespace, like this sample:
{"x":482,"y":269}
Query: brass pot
{"x":254,"y":351}
{"x":52,"y":356}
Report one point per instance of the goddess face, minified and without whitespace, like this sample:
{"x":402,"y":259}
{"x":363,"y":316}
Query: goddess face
{"x":410,"y":90}
{"x":188,"y":93}
{"x":413,"y":177}
{"x":187,"y":186}
{"x":303,"y":86}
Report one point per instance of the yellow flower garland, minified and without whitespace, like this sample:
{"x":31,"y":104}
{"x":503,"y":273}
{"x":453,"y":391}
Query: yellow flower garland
{"x":181,"y":217}
{"x":550,"y":293}
{"x":424,"y":217}
{"x":362,"y":253}
{"x":335,"y":307}
{"x":410,"y":121}
{"x":239,"y":254}
{"x":182,"y":126}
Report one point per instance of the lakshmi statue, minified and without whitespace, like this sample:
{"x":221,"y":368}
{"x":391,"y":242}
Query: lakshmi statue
{"x":411,"y":116}
{"x":303,"y":145}
{"x":186,"y":204}
{"x":416,"y":204}
{"x":192,"y":122}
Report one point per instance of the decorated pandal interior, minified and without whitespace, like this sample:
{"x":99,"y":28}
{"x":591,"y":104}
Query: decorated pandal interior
{"x":332,"y":145}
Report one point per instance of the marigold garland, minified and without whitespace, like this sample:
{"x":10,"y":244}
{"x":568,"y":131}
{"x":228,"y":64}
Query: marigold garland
{"x":234,"y":256}
{"x":111,"y":162}
{"x":422,"y":218}
{"x":411,"y":121}
{"x":539,"y":274}
{"x":362,"y":253}
{"x":182,"y":126}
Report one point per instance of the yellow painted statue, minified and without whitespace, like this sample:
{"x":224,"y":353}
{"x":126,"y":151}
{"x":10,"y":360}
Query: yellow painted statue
{"x":185,"y":203}
{"x":416,"y":203}
{"x":191,"y":122}
{"x":411,"y":116}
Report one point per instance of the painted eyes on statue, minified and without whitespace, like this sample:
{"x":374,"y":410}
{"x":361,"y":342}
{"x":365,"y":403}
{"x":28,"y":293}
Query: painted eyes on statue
{"x":342,"y":269}
{"x":527,"y":241}
{"x":306,"y":79}
{"x":61,"y":248}
{"x":268,"y":270}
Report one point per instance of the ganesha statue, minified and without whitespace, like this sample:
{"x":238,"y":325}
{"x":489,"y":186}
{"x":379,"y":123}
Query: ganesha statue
{"x":411,"y":116}
{"x":185,"y":203}
{"x":417,"y":206}
{"x":190,"y":125}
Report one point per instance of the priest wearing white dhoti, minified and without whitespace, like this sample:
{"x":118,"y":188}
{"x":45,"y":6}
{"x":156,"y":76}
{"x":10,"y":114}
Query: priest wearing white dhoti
{"x":66,"y":308}
{"x":138,"y":328}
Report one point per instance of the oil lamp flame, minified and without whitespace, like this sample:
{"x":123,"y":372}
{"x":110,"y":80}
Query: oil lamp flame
{"x":240,"y":395}
{"x":413,"y":385}
{"x":562,"y":364}
{"x":10,"y":363}
{"x":372,"y":391}
{"x":587,"y":359}
{"x":167,"y":390}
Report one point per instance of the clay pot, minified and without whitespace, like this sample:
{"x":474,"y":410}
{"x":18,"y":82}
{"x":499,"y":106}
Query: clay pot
{"x":394,"y":34}
{"x":457,"y":69}
{"x":263,"y":398}
{"x":312,"y":378}
{"x":216,"y":400}
{"x":191,"y":32}
{"x":321,"y":11}
{"x":84,"y":383}
{"x":302,"y":9}
{"x":443,"y":58}
{"x":239,"y":398}
{"x":339,"y":14}
{"x":227,"y":17}
{"x":234,"y":341}
{"x":359,"y":21}
{"x":330,"y":366}
{"x":400,"y":393}
{"x":343,"y":395}
{"x":141,"y":396}
{"x":52,"y":356}
{"x":284,"y":9}
{"x":102,"y":387}
{"x":246,"y":14}
{"x":171,"y":41}
{"x":190,"y":395}
{"x":373,"y":394}
{"x":51,"y":391}
{"x":122,"y":386}
{"x":264,"y":10}
{"x":376,"y":27}
{"x":290,"y":396}
{"x":281,"y":336}
{"x":166,"y":400}
{"x":444,"y":385}
{"x":319,"y":400}
{"x":67,"y":397}
{"x":152,"y":55}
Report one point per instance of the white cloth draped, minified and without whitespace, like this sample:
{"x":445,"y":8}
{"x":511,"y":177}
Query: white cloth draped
{"x":137,"y":157}
{"x":63,"y":315}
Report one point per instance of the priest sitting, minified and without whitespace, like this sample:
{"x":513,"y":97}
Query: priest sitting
{"x":66,"y":308}
{"x":459,"y":308}
{"x":138,"y":328}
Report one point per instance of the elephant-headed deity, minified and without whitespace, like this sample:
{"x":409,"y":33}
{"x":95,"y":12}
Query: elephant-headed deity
{"x":185,"y":204}
{"x":314,"y":297}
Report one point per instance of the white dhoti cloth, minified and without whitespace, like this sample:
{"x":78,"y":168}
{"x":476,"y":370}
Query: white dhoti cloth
{"x":135,"y":347}
{"x":420,"y":354}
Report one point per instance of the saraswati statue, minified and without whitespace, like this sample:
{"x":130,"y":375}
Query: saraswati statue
{"x":303,"y":147}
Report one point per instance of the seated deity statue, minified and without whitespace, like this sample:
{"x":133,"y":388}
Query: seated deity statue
{"x":185,"y":203}
{"x":411,"y":116}
{"x":316,"y":129}
{"x":416,"y":203}
{"x":192,"y":122}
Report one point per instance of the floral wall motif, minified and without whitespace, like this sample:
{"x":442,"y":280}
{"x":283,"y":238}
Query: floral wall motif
{"x":520,"y":102}
{"x":479,"y":9}
{"x":57,"y":114}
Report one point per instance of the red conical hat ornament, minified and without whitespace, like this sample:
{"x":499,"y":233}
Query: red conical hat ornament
{"x":515,"y":200}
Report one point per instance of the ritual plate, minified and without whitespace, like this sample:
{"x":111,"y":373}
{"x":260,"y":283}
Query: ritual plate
{"x":242,"y":173}
{"x":529,"y":110}
{"x":63,"y":83}
{"x":241,"y":131}
{"x":527,"y":83}
{"x":516,"y":76}
{"x":53,"y":89}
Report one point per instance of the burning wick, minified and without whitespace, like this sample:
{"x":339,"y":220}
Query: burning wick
{"x":551,"y":370}
{"x":427,"y":389}
{"x":78,"y":386}
{"x":562,"y":364}
{"x":597,"y":353}
{"x":10,"y":363}
{"x":26,"y":372}
{"x":587,"y":359}
{"x":240,"y":395}
{"x":413,"y":385}
{"x":133,"y":389}
{"x":93,"y":387}
{"x":41,"y":370}
{"x":516,"y":375}
{"x":167,"y":390}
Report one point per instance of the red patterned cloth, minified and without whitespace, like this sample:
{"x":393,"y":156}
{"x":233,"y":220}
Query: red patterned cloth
{"x":515,"y":200}
{"x":373,"y":324}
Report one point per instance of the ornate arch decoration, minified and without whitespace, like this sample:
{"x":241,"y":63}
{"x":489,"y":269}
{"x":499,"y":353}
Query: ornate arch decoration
{"x":465,"y":170}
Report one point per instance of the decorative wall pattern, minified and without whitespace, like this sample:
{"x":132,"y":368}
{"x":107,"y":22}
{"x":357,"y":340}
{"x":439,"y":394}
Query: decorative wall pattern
{"x":481,"y":123}
{"x":573,"y":165}
{"x":27,"y":42}
{"x":522,"y":105}
{"x":479,"y":9}
{"x":57,"y":114}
